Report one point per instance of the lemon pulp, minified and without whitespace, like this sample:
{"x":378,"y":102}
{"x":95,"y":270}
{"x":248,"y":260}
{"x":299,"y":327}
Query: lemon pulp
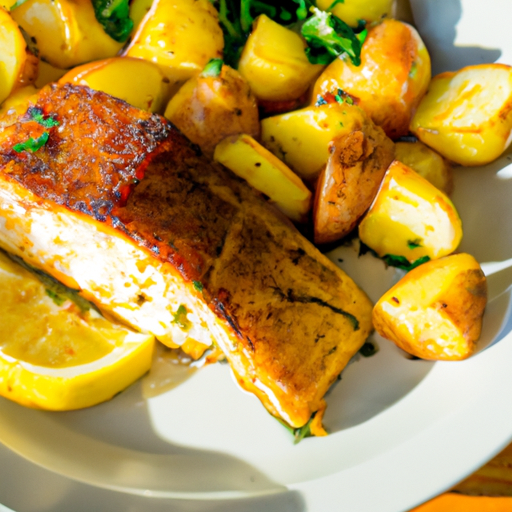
{"x":53,"y":355}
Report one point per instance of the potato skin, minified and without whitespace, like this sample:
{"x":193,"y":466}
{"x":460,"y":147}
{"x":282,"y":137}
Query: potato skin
{"x":435,"y":311}
{"x":208,"y":109}
{"x":350,"y":180}
{"x":392,"y":78}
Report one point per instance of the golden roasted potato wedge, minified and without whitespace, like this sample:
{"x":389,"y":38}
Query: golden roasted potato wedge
{"x":466,"y":116}
{"x":427,"y":163}
{"x":435,"y":311}
{"x":350,"y":181}
{"x":213,"y":105}
{"x":410,"y":218}
{"x":15,"y":105}
{"x":181,"y":36}
{"x":274,"y":62}
{"x":266,"y":173}
{"x":301,"y":138}
{"x":392,"y":78}
{"x":18,"y":67}
{"x":66,"y":32}
{"x":351,"y":11}
{"x":138,"y":82}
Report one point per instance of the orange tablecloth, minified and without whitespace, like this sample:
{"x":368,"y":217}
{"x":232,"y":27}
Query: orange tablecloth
{"x":488,"y":490}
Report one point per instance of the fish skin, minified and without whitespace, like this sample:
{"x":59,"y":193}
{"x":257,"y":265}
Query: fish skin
{"x":287,"y":318}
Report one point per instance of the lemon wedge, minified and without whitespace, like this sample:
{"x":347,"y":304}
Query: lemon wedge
{"x":56,"y":355}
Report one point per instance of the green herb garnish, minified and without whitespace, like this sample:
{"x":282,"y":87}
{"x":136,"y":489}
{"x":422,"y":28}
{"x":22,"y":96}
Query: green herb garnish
{"x":404,"y":263}
{"x":180,"y":317}
{"x":198,"y":285}
{"x":114,"y":17}
{"x":213,"y":68}
{"x":32,"y":144}
{"x":37,"y":115}
{"x":58,"y":299}
{"x":370,"y":348}
{"x":328,"y":37}
{"x":17,"y":4}
{"x":413,"y":244}
{"x":298,"y":433}
{"x":237,"y":16}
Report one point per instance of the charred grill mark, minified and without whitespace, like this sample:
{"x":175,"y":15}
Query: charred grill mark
{"x":230,"y":320}
{"x":290,"y":296}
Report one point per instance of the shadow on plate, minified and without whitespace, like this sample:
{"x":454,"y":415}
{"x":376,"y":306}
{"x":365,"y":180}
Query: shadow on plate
{"x":438,"y":24}
{"x":25,"y":487}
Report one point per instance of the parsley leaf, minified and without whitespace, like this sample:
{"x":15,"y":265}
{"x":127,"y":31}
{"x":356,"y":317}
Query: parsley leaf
{"x":58,"y":299}
{"x":213,"y":68}
{"x":198,"y":285}
{"x":32,"y":144}
{"x":180,"y":317}
{"x":37,"y":115}
{"x":404,"y":263}
{"x":370,"y":348}
{"x":114,"y":16}
{"x":413,"y":244}
{"x":17,"y":4}
{"x":328,"y":37}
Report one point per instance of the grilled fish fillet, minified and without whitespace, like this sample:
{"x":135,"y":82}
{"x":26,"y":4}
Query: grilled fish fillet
{"x":119,"y":205}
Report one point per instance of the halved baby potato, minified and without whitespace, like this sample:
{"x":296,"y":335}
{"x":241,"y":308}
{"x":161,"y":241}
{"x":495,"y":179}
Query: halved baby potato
{"x":266,"y":173}
{"x":435,"y":311}
{"x":350,"y":181}
{"x":66,"y":32}
{"x":427,"y":163}
{"x":393,"y":76}
{"x":138,"y":82}
{"x":18,"y":67}
{"x":181,"y":36}
{"x":301,"y":138}
{"x":410,"y":218}
{"x":274,"y":62}
{"x":211,"y":106}
{"x":466,"y":115}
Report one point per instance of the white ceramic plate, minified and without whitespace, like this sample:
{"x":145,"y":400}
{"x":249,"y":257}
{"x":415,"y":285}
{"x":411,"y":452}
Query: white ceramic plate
{"x":402,"y":430}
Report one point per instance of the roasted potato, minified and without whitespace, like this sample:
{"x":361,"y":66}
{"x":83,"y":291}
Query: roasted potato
{"x":266,"y":173}
{"x":47,"y":73}
{"x":181,"y":36}
{"x":435,"y":311}
{"x":427,"y":163}
{"x":139,"y":9}
{"x":350,"y":181}
{"x":351,"y":11}
{"x":410,"y":218}
{"x":392,"y":78}
{"x":18,"y":67}
{"x":214,"y":105}
{"x":66,"y":32}
{"x":301,"y":138}
{"x":466,"y":116}
{"x":274,"y":62}
{"x":138,"y":82}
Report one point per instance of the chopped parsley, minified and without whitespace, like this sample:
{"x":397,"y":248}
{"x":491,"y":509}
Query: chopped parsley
{"x":180,"y":317}
{"x":370,"y":348}
{"x":298,"y":433}
{"x":114,"y":17}
{"x":37,"y":115}
{"x":32,"y":144}
{"x":58,"y":299}
{"x":198,"y":285}
{"x":413,"y":244}
{"x":320,"y":100}
{"x":404,"y":263}
{"x":213,"y":68}
{"x":17,"y":4}
{"x":327,"y":36}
